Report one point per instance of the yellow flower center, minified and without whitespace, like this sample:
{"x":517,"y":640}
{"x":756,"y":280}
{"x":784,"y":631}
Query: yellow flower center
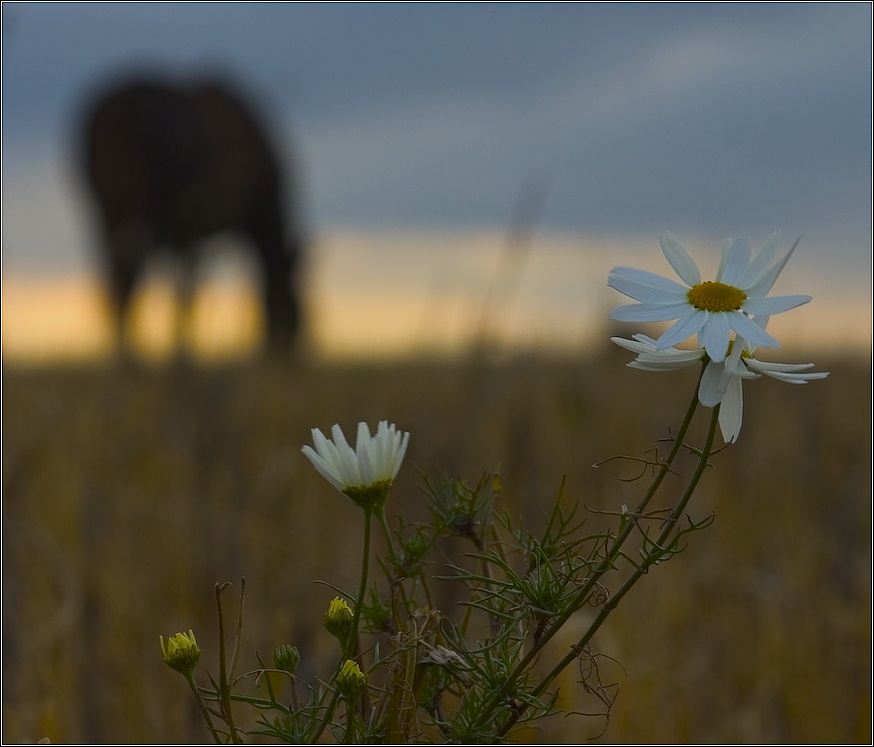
{"x":715,"y":296}
{"x":743,"y":353}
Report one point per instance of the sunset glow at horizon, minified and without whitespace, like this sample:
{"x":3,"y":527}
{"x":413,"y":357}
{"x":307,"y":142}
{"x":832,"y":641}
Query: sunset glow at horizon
{"x":370,"y":296}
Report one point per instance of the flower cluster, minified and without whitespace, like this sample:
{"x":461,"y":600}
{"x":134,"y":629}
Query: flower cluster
{"x":735,"y":302}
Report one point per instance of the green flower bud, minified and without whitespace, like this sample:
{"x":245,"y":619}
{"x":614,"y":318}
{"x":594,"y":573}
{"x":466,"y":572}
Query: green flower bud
{"x":351,"y":680}
{"x":286,"y":657}
{"x":181,"y":652}
{"x":338,"y":619}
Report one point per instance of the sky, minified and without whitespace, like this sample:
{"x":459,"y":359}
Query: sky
{"x":708,"y":120}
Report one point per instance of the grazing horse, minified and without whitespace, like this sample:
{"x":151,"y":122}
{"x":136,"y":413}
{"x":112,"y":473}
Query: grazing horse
{"x":172,"y":165}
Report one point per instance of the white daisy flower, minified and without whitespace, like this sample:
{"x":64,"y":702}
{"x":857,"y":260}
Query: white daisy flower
{"x":365,"y":473}
{"x":711,"y":309}
{"x":721,"y":381}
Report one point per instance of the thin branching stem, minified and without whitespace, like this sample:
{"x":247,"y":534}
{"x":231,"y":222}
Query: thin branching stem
{"x":639,"y":571}
{"x":239,"y":634}
{"x":380,"y":515}
{"x":607,"y":562}
{"x":349,"y":648}
{"x":326,"y":719}
{"x":350,"y":645}
{"x":203,"y":709}
{"x":224,"y":680}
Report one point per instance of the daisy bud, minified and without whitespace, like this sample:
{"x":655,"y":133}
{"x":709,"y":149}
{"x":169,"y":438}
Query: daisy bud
{"x":181,"y":652}
{"x":351,"y":680}
{"x":287,"y":658}
{"x":338,"y":619}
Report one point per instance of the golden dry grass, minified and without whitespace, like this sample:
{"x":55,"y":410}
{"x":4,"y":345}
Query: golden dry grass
{"x":128,"y":493}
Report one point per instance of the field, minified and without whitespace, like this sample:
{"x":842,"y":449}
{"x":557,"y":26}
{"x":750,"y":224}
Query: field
{"x":127,"y":493}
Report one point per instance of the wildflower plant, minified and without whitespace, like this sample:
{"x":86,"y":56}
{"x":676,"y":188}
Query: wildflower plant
{"x":409,"y":671}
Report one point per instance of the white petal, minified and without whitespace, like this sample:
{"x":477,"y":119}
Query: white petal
{"x":329,"y":454}
{"x":662,"y":364}
{"x":368,"y":457}
{"x":680,"y":260}
{"x":635,"y":346}
{"x":646,"y":346}
{"x":686,"y":326}
{"x":401,"y":453}
{"x":731,"y":411}
{"x":368,"y":461}
{"x":649,"y":312}
{"x":323,"y":468}
{"x":388,"y":443}
{"x":798,"y":378}
{"x":362,"y":435}
{"x":347,"y":459}
{"x":380,"y":444}
{"x":749,"y":330}
{"x":714,"y":382}
{"x":735,"y":261}
{"x":759,"y":266}
{"x":792,"y":373}
{"x":339,"y":439}
{"x":764,"y":284}
{"x":684,"y":357}
{"x":714,"y":336}
{"x":319,"y":441}
{"x":767,"y":367}
{"x":762,"y":320}
{"x":767,"y":306}
{"x":723,"y":258}
{"x":644,"y":286}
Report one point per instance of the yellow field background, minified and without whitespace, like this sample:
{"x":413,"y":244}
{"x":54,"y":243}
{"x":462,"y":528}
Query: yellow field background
{"x":129,"y":492}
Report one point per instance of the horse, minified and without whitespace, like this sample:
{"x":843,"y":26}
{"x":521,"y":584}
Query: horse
{"x":172,"y":164}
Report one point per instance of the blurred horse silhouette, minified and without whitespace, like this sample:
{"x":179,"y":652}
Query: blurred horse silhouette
{"x":172,"y":165}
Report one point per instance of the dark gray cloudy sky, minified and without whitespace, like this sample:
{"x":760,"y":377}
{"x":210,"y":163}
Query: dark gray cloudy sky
{"x":705,"y":119}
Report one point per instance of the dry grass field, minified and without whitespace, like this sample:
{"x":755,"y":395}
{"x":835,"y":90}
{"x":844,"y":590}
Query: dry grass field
{"x":128,"y":493}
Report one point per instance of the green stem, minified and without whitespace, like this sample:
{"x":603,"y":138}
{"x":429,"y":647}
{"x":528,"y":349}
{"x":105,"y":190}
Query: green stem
{"x":348,"y":648}
{"x":349,"y":737}
{"x":263,"y":704}
{"x":327,"y":717}
{"x":239,"y":635}
{"x":203,"y":709}
{"x":639,"y":571}
{"x":391,"y":570}
{"x":605,"y":565}
{"x":380,"y":515}
{"x":224,"y":684}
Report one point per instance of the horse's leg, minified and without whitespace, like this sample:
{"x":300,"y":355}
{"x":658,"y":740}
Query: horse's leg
{"x":185,"y":286}
{"x":127,"y":248}
{"x":278,"y":259}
